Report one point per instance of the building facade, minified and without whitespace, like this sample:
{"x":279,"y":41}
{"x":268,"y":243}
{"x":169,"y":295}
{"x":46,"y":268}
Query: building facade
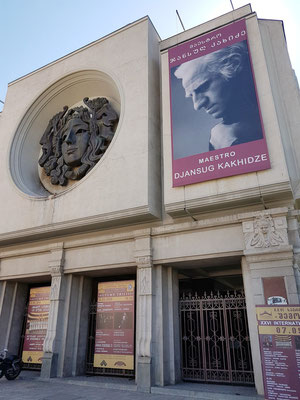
{"x":231,"y":238}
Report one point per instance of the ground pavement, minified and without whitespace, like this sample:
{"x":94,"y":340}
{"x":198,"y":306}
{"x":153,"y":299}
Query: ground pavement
{"x":30,"y":387}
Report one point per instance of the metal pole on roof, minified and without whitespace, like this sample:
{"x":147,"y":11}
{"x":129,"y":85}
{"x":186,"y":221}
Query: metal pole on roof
{"x":180,"y":20}
{"x":231,"y":4}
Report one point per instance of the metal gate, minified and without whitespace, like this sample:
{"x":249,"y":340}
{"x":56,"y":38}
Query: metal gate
{"x":215,"y":344}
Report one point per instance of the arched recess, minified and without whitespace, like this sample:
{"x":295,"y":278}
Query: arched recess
{"x":70,"y":90}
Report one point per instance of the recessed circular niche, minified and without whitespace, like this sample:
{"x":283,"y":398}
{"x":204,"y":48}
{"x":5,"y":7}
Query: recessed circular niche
{"x":26,"y":149}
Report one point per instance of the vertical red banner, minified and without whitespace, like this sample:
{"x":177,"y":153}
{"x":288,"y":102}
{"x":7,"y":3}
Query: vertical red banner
{"x":114,"y":344}
{"x":36,"y":325}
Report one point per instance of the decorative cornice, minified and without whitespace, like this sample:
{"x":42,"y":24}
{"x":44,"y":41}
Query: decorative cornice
{"x":82,"y":225}
{"x":85,"y":239}
{"x":245,"y":197}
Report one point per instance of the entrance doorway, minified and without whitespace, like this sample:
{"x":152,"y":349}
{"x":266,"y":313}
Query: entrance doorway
{"x":215,"y":343}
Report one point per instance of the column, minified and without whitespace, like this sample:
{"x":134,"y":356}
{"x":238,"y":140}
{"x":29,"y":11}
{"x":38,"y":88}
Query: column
{"x":294,"y":239}
{"x":297,"y":272}
{"x":55,"y":322}
{"x":166,"y":342}
{"x":144,"y":299}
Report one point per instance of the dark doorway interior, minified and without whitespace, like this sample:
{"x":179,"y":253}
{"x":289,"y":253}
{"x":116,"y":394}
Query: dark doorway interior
{"x":222,"y":284}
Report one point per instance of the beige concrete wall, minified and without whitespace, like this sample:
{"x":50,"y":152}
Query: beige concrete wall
{"x":24,"y":266}
{"x":125,"y":184}
{"x":286,"y":94}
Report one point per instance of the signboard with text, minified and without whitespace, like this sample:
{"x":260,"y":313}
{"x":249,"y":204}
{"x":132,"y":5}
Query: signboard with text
{"x":114,"y":344}
{"x":279,"y":336}
{"x":36,"y":325}
{"x":216,"y":124}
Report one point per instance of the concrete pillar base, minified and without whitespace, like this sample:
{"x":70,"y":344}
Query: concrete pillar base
{"x":144,"y":374}
{"x":49,"y":366}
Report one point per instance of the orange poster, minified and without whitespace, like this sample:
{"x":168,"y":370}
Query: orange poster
{"x":114,"y":345}
{"x":36,"y":325}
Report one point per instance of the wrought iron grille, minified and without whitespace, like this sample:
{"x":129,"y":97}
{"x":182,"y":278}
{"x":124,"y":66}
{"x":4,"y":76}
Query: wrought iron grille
{"x":90,"y":369}
{"x":215,"y":344}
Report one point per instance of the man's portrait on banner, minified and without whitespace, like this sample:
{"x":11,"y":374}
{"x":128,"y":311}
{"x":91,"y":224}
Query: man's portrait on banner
{"x":214,"y":104}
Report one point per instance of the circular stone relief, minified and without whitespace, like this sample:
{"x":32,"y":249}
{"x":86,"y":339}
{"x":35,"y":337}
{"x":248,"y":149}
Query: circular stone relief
{"x":75,"y":140}
{"x":64,"y":134}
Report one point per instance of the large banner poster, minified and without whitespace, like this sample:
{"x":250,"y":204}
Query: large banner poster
{"x":36,"y":325}
{"x":279,"y":336}
{"x":114,"y":344}
{"x":216,"y":124}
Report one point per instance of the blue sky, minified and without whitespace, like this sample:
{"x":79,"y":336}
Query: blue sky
{"x":36,"y":32}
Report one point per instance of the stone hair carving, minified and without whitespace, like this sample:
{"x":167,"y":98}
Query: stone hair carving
{"x":265,"y":234}
{"x":75,"y":140}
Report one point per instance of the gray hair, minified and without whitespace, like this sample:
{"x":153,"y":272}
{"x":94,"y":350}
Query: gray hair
{"x":228,"y":62}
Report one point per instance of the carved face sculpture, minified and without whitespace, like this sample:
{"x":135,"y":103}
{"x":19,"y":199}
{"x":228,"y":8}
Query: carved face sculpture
{"x":265,"y":225}
{"x":75,"y":140}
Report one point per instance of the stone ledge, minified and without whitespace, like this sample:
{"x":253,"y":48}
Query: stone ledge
{"x":83,"y":225}
{"x":238,"y":198}
{"x":269,"y":254}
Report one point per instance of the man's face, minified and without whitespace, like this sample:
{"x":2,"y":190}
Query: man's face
{"x":207,"y":90}
{"x":75,"y":141}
